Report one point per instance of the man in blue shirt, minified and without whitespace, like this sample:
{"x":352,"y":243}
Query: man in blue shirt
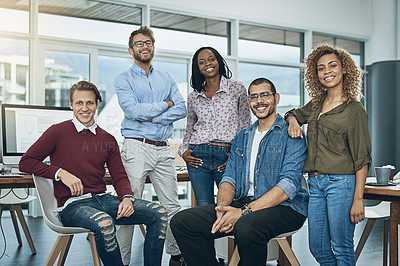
{"x":260,"y":195}
{"x":151,"y":102}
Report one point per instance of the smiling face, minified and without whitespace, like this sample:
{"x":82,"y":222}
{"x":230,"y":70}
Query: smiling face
{"x":208,"y":64}
{"x":263,"y":108}
{"x":84,"y":106}
{"x":330,"y":71}
{"x":142,"y":55}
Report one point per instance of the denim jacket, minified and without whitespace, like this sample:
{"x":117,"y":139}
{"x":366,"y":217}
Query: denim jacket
{"x":279,"y":162}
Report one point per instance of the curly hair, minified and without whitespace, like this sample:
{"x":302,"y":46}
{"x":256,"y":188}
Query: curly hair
{"x":197,"y":79}
{"x":352,"y":79}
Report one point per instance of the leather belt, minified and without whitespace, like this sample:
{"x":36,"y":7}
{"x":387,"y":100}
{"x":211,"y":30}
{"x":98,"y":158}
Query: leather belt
{"x":221,"y":144}
{"x":315,"y":173}
{"x":152,"y":142}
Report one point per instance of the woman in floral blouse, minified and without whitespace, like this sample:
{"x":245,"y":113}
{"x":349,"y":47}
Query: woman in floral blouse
{"x":217,"y":110}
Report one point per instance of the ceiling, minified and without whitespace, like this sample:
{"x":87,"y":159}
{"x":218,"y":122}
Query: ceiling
{"x":108,"y":11}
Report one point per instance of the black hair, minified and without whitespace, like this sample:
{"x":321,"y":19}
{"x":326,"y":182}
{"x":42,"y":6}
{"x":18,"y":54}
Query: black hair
{"x":197,"y":79}
{"x":259,"y":81}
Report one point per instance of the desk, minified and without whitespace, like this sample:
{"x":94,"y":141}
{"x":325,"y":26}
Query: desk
{"x":27,"y":180}
{"x":392,"y":194}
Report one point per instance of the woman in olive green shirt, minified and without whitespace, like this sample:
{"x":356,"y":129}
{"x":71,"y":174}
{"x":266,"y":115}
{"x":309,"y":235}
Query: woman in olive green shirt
{"x":339,"y":152}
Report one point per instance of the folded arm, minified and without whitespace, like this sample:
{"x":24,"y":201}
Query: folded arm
{"x":133,"y":109}
{"x":176,"y":112}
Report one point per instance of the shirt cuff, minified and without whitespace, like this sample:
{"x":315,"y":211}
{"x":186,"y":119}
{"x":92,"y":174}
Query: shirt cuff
{"x":129,"y":196}
{"x":288,"y":187}
{"x":56,"y":175}
{"x":289,"y":113}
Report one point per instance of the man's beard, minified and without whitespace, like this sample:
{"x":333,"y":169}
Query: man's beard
{"x":272,"y":108}
{"x":137,"y":57}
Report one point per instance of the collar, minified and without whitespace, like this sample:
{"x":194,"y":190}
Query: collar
{"x":338,"y":109}
{"x":223,"y":87}
{"x":80,"y":127}
{"x":140,"y":71}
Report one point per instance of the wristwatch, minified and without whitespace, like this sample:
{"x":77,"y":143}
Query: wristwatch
{"x":246,"y":209}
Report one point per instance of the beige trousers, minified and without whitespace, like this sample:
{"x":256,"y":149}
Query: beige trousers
{"x":142,"y":159}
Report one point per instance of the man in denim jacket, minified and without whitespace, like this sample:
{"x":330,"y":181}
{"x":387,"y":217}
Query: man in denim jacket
{"x":260,"y":195}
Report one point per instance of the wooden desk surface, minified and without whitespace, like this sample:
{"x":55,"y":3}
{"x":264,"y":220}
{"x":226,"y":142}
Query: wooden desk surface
{"x":27,"y":180}
{"x":387,"y":193}
{"x":17,"y":182}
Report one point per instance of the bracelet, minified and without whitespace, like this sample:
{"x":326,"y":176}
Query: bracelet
{"x":248,"y":207}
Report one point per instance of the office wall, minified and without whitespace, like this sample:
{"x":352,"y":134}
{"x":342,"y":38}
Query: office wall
{"x":382,"y":44}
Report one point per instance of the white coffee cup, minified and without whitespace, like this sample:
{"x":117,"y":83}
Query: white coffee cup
{"x":382,"y":175}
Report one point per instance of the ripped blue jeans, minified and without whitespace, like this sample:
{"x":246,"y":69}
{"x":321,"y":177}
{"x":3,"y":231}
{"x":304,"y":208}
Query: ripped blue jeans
{"x":98,"y":214}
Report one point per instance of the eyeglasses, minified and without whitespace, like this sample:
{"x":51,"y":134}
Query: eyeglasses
{"x":264,"y":96}
{"x":140,"y":44}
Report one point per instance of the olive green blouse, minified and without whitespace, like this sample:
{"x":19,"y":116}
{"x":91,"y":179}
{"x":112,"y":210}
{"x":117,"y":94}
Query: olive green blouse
{"x":338,"y":141}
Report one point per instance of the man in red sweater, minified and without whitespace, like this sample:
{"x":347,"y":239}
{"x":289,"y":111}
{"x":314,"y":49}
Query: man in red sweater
{"x":78,"y":150}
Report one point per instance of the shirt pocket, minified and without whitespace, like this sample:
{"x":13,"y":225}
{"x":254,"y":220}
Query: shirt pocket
{"x":312,"y":124}
{"x":333,"y":137}
{"x":239,"y":164}
{"x":272,"y":158}
{"x":239,"y":152}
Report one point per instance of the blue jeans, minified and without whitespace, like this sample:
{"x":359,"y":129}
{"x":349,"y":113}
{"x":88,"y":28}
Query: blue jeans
{"x":98,"y":214}
{"x":203,"y":178}
{"x":330,"y":230}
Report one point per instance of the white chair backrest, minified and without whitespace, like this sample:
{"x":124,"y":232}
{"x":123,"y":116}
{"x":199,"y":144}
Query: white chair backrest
{"x":47,"y":199}
{"x":48,"y":202}
{"x":382,"y":210}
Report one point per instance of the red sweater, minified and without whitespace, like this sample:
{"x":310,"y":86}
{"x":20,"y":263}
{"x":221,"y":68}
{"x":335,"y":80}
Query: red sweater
{"x":82,"y":154}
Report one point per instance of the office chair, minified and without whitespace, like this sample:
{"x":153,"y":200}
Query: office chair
{"x":283,"y":244}
{"x":372,"y":213}
{"x":60,"y":249}
{"x":14,"y":198}
{"x":282,"y":240}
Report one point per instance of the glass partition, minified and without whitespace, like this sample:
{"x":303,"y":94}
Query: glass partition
{"x":62,"y":70}
{"x":355,"y":48}
{"x":85,"y":20}
{"x":188,"y":33}
{"x":264,"y":43}
{"x":286,"y":80}
{"x":14,"y":16}
{"x":14,"y":70}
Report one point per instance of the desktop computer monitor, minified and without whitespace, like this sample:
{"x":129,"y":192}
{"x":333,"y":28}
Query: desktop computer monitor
{"x":22,"y":125}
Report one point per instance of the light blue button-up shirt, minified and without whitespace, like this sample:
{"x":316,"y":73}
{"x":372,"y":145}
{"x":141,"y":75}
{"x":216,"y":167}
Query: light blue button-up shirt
{"x":143,"y":98}
{"x":279,"y":162}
